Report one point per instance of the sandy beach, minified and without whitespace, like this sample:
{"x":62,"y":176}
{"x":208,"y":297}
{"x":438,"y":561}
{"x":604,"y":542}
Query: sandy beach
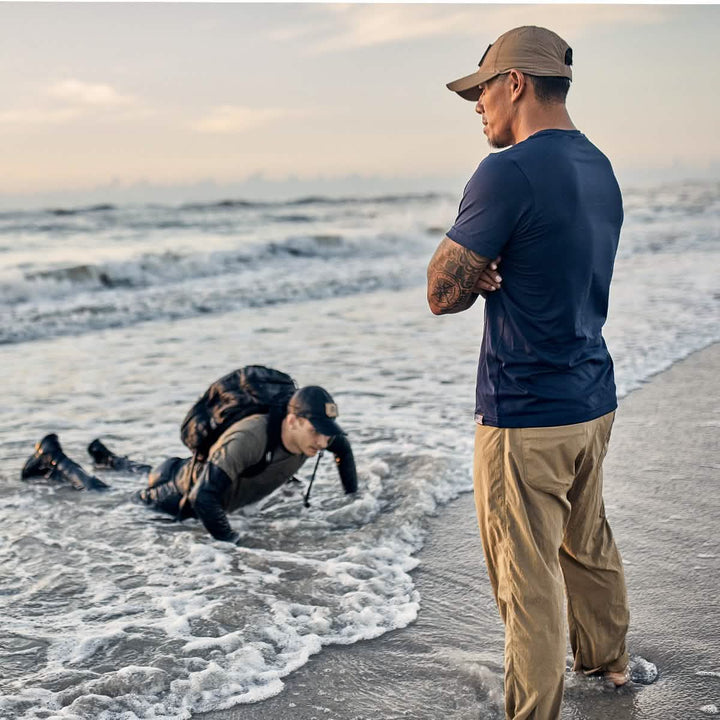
{"x":193,"y":188}
{"x":660,"y":490}
{"x":118,"y":318}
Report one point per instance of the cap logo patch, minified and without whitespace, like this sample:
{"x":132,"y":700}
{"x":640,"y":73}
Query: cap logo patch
{"x":331,"y":410}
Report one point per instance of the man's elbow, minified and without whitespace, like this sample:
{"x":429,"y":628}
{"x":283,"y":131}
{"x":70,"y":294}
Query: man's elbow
{"x":433,"y":298}
{"x":438,"y":301}
{"x":435,"y":307}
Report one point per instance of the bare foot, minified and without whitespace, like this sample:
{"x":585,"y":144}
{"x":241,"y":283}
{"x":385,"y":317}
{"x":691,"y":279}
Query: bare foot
{"x":618,"y":679}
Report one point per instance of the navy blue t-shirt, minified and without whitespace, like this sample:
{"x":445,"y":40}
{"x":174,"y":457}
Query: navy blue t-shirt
{"x":552,"y":208}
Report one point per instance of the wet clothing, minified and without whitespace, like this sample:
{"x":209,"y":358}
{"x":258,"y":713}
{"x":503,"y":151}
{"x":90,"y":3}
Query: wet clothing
{"x":242,"y":447}
{"x":226,"y":481}
{"x":246,"y":463}
{"x":240,"y":470}
{"x":552,"y":208}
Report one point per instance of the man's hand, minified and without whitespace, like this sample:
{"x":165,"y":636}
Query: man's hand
{"x":345,"y":461}
{"x":206,"y":499}
{"x":490,"y":279}
{"x":453,"y":276}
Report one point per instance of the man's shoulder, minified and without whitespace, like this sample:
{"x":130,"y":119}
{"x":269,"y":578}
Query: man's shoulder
{"x":251,"y":431}
{"x":241,"y":446}
{"x":555,"y":141}
{"x":499,"y":162}
{"x":498,"y":173}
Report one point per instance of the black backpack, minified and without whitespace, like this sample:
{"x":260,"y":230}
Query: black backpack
{"x":247,"y":391}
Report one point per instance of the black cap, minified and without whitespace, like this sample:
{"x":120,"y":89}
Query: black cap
{"x":316,"y":404}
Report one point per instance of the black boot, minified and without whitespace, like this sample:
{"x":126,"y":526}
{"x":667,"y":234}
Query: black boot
{"x":49,"y":460}
{"x":69,"y":470}
{"x":105,"y":458}
{"x":39,"y":464}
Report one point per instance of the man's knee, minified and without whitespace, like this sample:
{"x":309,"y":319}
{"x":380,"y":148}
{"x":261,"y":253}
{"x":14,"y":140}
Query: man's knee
{"x":162,"y":492}
{"x":164,"y":472}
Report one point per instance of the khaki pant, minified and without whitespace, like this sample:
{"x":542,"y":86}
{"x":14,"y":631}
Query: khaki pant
{"x":538,"y":494}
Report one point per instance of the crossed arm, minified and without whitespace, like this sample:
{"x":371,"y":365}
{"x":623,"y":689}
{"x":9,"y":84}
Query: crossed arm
{"x":456,"y":276}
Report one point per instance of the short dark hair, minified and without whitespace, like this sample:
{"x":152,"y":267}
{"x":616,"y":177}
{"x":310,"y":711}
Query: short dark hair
{"x":550,"y":89}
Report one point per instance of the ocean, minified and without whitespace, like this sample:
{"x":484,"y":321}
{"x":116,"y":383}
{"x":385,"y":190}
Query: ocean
{"x":116,"y":318}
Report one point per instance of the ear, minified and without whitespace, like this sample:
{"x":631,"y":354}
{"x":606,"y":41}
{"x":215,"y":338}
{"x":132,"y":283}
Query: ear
{"x":517,"y":83}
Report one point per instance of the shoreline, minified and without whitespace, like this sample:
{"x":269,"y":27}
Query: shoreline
{"x":663,"y":457}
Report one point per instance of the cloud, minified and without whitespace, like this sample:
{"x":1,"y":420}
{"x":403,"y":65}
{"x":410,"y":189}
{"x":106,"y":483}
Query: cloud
{"x":69,"y":100}
{"x":232,"y":119}
{"x":38,"y":116}
{"x":346,"y":27}
{"x":88,"y":94}
{"x":366,"y":25}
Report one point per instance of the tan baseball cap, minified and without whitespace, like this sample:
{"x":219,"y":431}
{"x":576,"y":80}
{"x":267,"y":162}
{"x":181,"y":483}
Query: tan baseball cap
{"x":530,"y":49}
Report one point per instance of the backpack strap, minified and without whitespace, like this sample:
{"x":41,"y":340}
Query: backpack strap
{"x":274,"y":425}
{"x":276,"y":415}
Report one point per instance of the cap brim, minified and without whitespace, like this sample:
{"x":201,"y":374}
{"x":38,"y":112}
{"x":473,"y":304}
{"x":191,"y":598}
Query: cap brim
{"x":468,"y":87}
{"x":326,"y":426}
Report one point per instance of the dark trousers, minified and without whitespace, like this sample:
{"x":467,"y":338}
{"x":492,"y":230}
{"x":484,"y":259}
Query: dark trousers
{"x":163,"y":492}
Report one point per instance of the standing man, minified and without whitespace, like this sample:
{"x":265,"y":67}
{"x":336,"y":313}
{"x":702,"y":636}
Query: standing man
{"x":551,"y":209}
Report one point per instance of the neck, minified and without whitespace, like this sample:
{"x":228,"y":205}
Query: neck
{"x":286,"y":437}
{"x":543,"y":117}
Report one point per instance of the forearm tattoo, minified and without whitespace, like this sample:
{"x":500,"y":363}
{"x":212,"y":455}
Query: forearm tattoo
{"x":452,"y":275}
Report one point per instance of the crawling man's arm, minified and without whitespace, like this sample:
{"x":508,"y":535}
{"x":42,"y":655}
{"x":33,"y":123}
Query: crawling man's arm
{"x":207,"y":502}
{"x":454,"y":277}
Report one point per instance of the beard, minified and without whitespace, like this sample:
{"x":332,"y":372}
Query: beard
{"x":500,"y":141}
{"x":498,"y":144}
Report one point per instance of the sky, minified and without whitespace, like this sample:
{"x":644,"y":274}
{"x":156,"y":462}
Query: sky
{"x":153,"y":99}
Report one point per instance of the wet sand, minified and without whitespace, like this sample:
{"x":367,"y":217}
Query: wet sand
{"x":662,"y":499}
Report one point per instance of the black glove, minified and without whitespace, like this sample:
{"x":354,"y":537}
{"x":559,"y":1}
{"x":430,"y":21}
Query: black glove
{"x":206,"y":499}
{"x":340,"y":447}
